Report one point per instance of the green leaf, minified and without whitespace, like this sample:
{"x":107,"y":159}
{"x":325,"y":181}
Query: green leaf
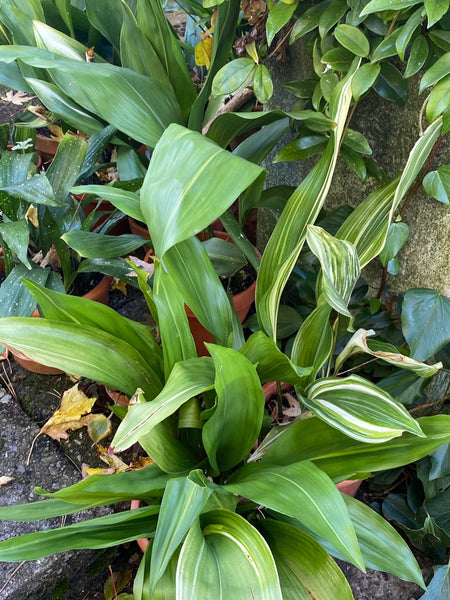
{"x":187,"y":379}
{"x":397,"y":236}
{"x":439,"y":70}
{"x":279,"y":15}
{"x":355,"y":161}
{"x":332,"y":15}
{"x":387,"y":352}
{"x":36,"y":189}
{"x":382,"y":5}
{"x":81,"y":350}
{"x":127,"y":202}
{"x":15,"y":300}
{"x":387,"y":47}
{"x":176,"y":194}
{"x":270,"y":362}
{"x":390,"y":84}
{"x":359,"y":409}
{"x":341,"y":456}
{"x":328,"y":82}
{"x":407,"y":32}
{"x":313,"y":343}
{"x":339,"y":59}
{"x":439,"y":587}
{"x":72,"y":309}
{"x":16,"y":236}
{"x":262,"y":84}
{"x":301,"y":209}
{"x":303,"y":147}
{"x":308,"y":21}
{"x":439,"y":99}
{"x":437,"y":184}
{"x":357,"y":142}
{"x":435,"y":11}
{"x":353,"y":39}
{"x":97,"y":245}
{"x":225,"y":256}
{"x":340,"y":267}
{"x":211,"y":552}
{"x":232,"y":76}
{"x":230,"y":433}
{"x":183,"y":500}
{"x":364,"y":79}
{"x":425,"y":321}
{"x":417,"y":56}
{"x":302,"y":491}
{"x":304,"y":567}
{"x":102,"y":532}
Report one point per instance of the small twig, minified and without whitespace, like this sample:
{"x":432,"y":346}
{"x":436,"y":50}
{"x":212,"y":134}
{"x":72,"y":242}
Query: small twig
{"x":382,"y":282}
{"x":357,"y":367}
{"x":8,"y":384}
{"x":391,"y":26}
{"x":279,"y":401}
{"x":113,"y":582}
{"x":11,"y":576}
{"x":281,"y":42}
{"x":233,"y":105}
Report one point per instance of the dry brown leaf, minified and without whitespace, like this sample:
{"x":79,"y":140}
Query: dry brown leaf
{"x":71,"y":414}
{"x":17,"y":98}
{"x":4,"y":480}
{"x":145,"y":266}
{"x":118,"y":398}
{"x":51,"y":259}
{"x":32,"y":215}
{"x":4,"y":354}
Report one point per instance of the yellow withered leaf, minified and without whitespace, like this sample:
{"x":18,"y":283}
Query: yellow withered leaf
{"x":203,"y":52}
{"x":72,"y":414}
{"x":32,"y":215}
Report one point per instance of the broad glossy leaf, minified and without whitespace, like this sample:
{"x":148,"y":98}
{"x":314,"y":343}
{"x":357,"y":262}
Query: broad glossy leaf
{"x":279,"y":15}
{"x":405,"y":386}
{"x":15,"y":300}
{"x":177,"y":199}
{"x":435,"y":11}
{"x":353,"y":39}
{"x":304,"y":567}
{"x":342,"y":457}
{"x":230,"y":433}
{"x":232,"y":76}
{"x":58,"y":42}
{"x":193,"y":273}
{"x":437,"y":184}
{"x":187,"y":379}
{"x":382,"y":5}
{"x":359,"y":409}
{"x":397,"y":236}
{"x":313,"y":343}
{"x":387,"y":352}
{"x":65,"y":168}
{"x":102,"y":532}
{"x":339,"y":59}
{"x":390,"y":84}
{"x":425,"y":321}
{"x":357,"y":141}
{"x":303,"y":147}
{"x":439,"y":70}
{"x":183,"y":500}
{"x":417,"y":56}
{"x":81,"y":350}
{"x":407,"y":32}
{"x":331,"y":16}
{"x":439,"y":586}
{"x":36,"y":189}
{"x":302,"y":491}
{"x":387,"y":47}
{"x":127,"y":202}
{"x":271,"y":363}
{"x":96,"y":245}
{"x":439,"y":99}
{"x":209,"y":556}
{"x":262,"y":84}
{"x":340,"y":267}
{"x":308,"y":21}
{"x":364,"y":79}
{"x":16,"y":236}
{"x":62,"y":105}
{"x":72,"y":309}
{"x":301,"y":209}
{"x":355,"y":161}
{"x":225,"y":256}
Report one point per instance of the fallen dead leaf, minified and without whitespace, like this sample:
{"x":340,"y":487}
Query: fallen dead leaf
{"x":72,"y":414}
{"x":32,"y":215}
{"x":4,"y":480}
{"x":17,"y":98}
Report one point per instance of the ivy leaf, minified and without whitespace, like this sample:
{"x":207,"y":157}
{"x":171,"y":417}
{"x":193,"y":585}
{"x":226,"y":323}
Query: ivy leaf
{"x":439,"y":587}
{"x":437,"y":184}
{"x":398,"y":234}
{"x":425,"y":321}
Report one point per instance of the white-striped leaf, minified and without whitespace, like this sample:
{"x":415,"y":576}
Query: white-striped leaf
{"x":207,"y":566}
{"x":359,"y":409}
{"x":340,"y":267}
{"x":301,"y":210}
{"x":359,"y":343}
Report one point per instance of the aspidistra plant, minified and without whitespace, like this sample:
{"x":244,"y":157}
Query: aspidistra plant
{"x":226,"y":518}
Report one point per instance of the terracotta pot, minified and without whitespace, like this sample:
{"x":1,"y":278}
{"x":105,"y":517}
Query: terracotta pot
{"x":99,"y":293}
{"x":242,"y":303}
{"x":46,"y":147}
{"x":138,"y":229}
{"x":349,"y":486}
